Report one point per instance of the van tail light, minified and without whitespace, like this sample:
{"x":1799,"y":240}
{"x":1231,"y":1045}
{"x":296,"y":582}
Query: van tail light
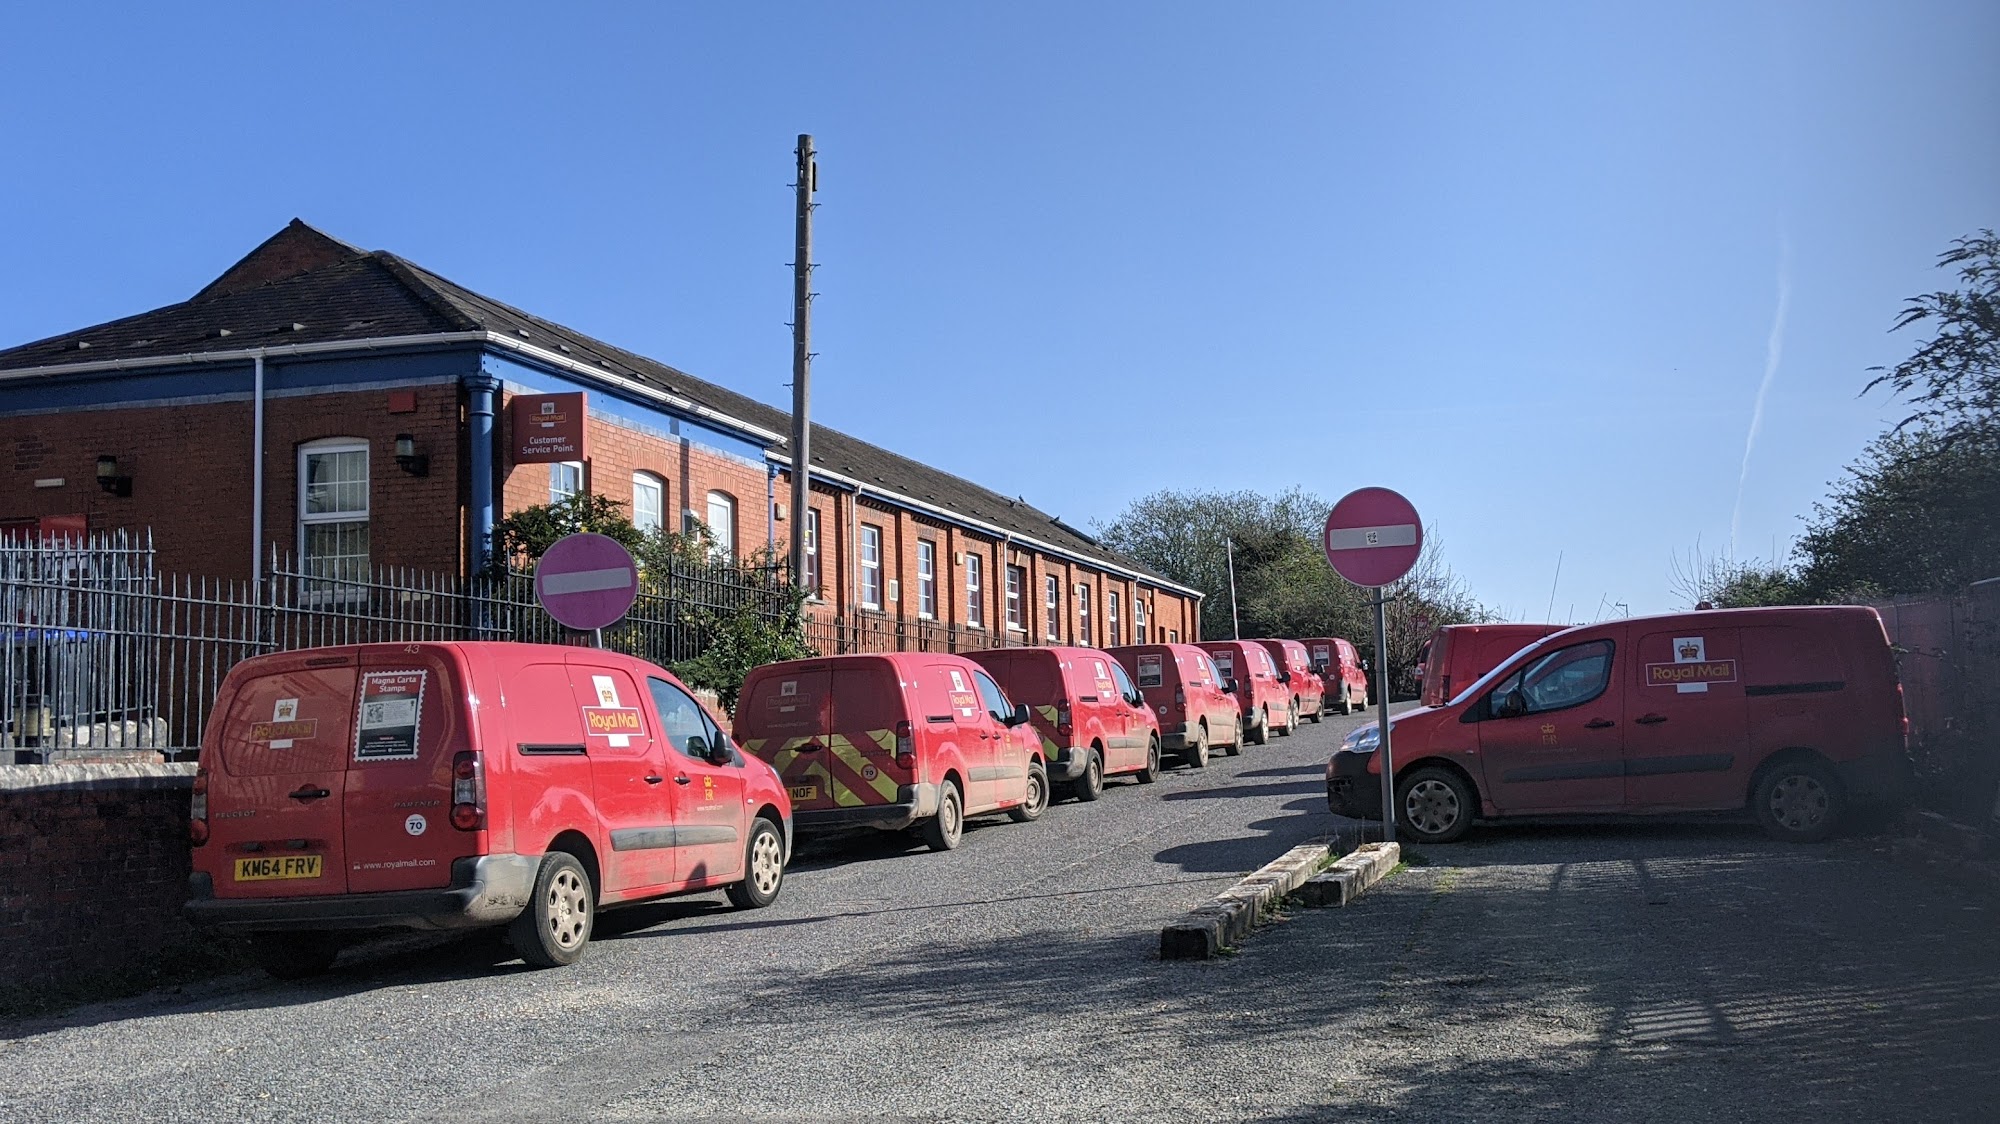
{"x":468,"y":791}
{"x":1062,"y":719}
{"x":198,"y":809}
{"x":906,"y":746}
{"x":1180,"y":697}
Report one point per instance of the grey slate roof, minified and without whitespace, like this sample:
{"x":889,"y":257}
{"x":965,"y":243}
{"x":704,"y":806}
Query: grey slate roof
{"x":375,"y":294}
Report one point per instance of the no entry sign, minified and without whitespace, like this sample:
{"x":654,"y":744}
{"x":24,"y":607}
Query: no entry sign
{"x":586,"y":581}
{"x":1373,"y":536}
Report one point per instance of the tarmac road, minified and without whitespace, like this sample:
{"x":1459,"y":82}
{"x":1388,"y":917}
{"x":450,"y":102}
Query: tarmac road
{"x":1691,"y":971}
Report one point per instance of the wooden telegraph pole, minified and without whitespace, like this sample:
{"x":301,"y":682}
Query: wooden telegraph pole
{"x":807,"y":183}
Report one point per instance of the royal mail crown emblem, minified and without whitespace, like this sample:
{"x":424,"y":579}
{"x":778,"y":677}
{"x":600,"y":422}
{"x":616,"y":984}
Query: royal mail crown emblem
{"x":1689,"y":651}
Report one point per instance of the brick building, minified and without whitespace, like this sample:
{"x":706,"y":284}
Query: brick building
{"x":353,"y":409}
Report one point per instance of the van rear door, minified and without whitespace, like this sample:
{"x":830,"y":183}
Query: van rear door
{"x":786,"y":718}
{"x":868,"y":710}
{"x":274,"y":810}
{"x":410,"y":717}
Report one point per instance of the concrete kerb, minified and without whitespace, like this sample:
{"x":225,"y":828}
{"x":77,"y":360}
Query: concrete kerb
{"x":1351,"y":877}
{"x":1223,"y":923}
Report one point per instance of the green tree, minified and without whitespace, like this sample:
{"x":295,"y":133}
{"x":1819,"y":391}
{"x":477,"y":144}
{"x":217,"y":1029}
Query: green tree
{"x":741,"y":641}
{"x":529,"y":532}
{"x":1953,"y":379}
{"x":1919,"y":512}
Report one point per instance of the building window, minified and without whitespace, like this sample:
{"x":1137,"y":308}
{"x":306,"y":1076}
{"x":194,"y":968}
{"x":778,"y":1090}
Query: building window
{"x":975,"y":608}
{"x":1138,"y":621}
{"x":1111,"y":617}
{"x":565,"y":480}
{"x":333,"y":518}
{"x":871,"y":567}
{"x":926,"y":579}
{"x":1052,"y":603}
{"x":812,"y":553}
{"x":721,"y":527}
{"x":1016,"y":579}
{"x":1083,"y":634}
{"x":649,"y":502}
{"x":1173,"y":636}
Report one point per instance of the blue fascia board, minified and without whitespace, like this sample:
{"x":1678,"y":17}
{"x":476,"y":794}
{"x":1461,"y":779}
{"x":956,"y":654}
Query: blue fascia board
{"x":284,"y":377}
{"x":524,"y":376}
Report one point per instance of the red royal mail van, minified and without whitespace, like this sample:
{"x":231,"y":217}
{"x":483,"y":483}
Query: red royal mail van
{"x":1091,"y":719}
{"x":1263,"y":701}
{"x":1794,"y":713}
{"x":1295,"y":671}
{"x":1457,"y":654}
{"x":1180,"y":682}
{"x":894,"y":740}
{"x":443,"y":786}
{"x":1341,"y":674}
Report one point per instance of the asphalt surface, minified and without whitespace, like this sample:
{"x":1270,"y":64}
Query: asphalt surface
{"x":1537,"y":972}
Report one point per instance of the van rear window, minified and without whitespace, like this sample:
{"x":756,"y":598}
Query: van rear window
{"x":1030,"y":678}
{"x":290,"y":722}
{"x":786,"y":705}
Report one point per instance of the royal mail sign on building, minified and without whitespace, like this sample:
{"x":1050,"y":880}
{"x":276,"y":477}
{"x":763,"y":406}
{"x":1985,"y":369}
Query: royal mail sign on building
{"x":546,"y":427}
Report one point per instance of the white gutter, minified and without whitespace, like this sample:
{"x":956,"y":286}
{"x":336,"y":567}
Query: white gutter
{"x":381,"y":343}
{"x":993,"y":529}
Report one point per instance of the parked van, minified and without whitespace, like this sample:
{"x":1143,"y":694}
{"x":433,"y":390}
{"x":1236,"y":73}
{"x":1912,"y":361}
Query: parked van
{"x":1794,"y":713}
{"x":1184,"y":688}
{"x":893,"y":741}
{"x":1091,"y":719}
{"x":1342,"y":678}
{"x":1295,"y":671}
{"x":453,"y":785}
{"x":1457,"y":654}
{"x":1249,"y":673}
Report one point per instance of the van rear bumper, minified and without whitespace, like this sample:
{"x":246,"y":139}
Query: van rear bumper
{"x":484,"y":890}
{"x":1178,"y":736}
{"x":1067,"y":764}
{"x":913,"y":802}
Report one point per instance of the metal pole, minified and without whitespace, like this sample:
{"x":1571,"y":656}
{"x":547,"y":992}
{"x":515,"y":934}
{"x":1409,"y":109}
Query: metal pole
{"x":808,"y":177}
{"x":1382,"y":721}
{"x":1235,"y":626}
{"x":257,"y":469}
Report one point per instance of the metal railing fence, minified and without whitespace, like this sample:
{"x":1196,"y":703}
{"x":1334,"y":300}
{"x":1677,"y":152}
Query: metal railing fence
{"x":99,"y":651}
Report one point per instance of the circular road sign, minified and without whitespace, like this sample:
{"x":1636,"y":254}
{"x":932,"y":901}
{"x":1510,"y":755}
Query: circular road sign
{"x":586,"y":581}
{"x":1373,"y":536}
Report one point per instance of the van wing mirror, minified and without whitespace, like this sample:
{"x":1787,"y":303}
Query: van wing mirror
{"x":1510,"y":705}
{"x":1020,"y":715}
{"x":697,"y":746}
{"x":720,"y":753}
{"x":1229,"y":686}
{"x":1284,"y":677}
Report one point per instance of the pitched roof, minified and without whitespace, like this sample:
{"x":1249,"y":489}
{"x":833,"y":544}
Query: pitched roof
{"x":301,"y":286}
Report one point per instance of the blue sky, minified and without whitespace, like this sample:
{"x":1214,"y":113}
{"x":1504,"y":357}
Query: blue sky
{"x":1523,"y":263}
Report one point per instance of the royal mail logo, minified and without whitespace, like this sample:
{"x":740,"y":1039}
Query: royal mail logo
{"x":298,"y":729}
{"x":1677,"y":674}
{"x":606,"y":721}
{"x":1690,"y":650}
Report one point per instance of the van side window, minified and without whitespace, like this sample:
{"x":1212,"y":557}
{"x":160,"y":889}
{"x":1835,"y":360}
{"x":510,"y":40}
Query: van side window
{"x":1556,"y":680}
{"x":681,"y":717}
{"x":1124,"y":682}
{"x":994,"y":699}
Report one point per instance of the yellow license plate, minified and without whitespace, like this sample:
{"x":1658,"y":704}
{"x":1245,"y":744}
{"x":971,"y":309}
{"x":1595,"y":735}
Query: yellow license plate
{"x":805,"y":792}
{"x":278,"y":866}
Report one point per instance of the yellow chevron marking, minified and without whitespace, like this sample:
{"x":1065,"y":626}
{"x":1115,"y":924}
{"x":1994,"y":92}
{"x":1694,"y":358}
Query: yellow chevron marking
{"x":884,"y":738}
{"x":860,"y":765}
{"x":755,"y":745}
{"x":1048,"y":713}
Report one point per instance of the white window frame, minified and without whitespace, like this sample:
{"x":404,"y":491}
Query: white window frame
{"x":1084,"y":633}
{"x":871,"y":568}
{"x":327,"y":446}
{"x":926,"y":579}
{"x":1111,"y":614}
{"x":975,"y":606}
{"x":812,"y":554}
{"x":1017,"y":583}
{"x":643,"y":482}
{"x":1052,"y":606}
{"x":722,"y":539}
{"x":1138,"y":620}
{"x":556,"y":471}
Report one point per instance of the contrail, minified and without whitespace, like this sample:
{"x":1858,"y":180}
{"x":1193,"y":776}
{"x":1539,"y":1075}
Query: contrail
{"x":1774,"y":349}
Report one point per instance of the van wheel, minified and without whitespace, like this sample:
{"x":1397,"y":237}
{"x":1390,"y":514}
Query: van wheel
{"x":1799,"y":801}
{"x":763,"y":868}
{"x":1038,"y":795}
{"x":1434,"y":805}
{"x":1151,"y":772}
{"x":943,"y":831}
{"x":1291,"y":720}
{"x":1318,"y":711}
{"x":555,"y":927}
{"x":294,"y":956}
{"x":1236,"y":741}
{"x":1196,"y":755}
{"x":1261,"y":732}
{"x":1346,"y":702}
{"x":1090,"y":785}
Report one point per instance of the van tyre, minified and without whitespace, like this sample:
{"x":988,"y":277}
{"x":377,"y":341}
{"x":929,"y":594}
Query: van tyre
{"x":1090,"y":785}
{"x":553,"y":930}
{"x":294,"y":956}
{"x":1434,"y":805}
{"x":943,"y":831}
{"x":1038,"y":795}
{"x":1151,"y":772}
{"x":1236,"y":740}
{"x":1318,"y":711}
{"x":763,"y":868}
{"x":1196,"y":755}
{"x":1291,"y":720}
{"x":1799,"y":801}
{"x":1346,"y":702}
{"x":1261,"y":732}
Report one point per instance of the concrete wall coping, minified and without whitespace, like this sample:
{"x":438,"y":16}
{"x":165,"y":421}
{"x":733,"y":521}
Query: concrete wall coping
{"x":96,"y":778}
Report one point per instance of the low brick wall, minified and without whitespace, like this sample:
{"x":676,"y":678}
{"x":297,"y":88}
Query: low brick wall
{"x":93,"y":870}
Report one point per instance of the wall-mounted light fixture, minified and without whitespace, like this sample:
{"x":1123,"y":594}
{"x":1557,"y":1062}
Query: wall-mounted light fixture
{"x":109,"y":479}
{"x":407,"y":457}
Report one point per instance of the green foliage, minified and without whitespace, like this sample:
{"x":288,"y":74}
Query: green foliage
{"x":742,"y":641}
{"x":1919,"y":512}
{"x":1953,"y":379}
{"x":529,"y":532}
